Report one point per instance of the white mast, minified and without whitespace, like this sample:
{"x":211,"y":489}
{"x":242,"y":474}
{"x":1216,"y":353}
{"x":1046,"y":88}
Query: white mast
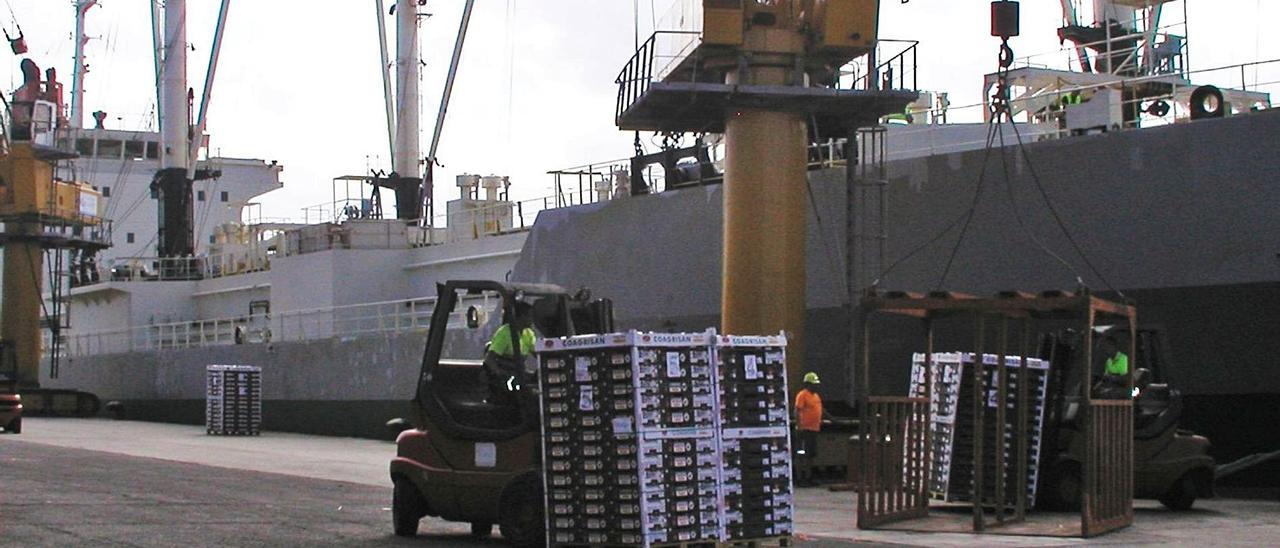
{"x":78,"y":72}
{"x":408,"y":69}
{"x":176,"y":110}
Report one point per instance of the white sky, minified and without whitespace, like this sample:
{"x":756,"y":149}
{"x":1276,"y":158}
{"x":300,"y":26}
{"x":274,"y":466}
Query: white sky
{"x":298,"y":80}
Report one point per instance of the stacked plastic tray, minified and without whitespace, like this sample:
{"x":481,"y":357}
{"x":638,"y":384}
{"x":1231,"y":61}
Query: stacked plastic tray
{"x":233,"y":400}
{"x":954,"y":431}
{"x":756,"y":480}
{"x":629,"y":439}
{"x":634,"y":444}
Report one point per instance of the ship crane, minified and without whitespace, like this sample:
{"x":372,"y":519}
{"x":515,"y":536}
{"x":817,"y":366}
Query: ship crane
{"x":40,"y":214}
{"x":758,"y":72}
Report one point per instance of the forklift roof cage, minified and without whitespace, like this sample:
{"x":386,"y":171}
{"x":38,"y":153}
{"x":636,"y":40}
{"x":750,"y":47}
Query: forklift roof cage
{"x":898,"y":430}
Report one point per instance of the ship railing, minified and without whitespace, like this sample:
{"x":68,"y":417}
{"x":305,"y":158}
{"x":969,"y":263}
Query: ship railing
{"x":612,"y":179}
{"x":660,"y":56}
{"x":1257,"y":80}
{"x":385,"y":317}
{"x":1162,"y":51}
{"x":898,"y":71}
{"x":149,"y":269}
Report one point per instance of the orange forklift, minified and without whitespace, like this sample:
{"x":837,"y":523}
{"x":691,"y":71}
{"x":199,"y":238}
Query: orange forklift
{"x":472,"y":455}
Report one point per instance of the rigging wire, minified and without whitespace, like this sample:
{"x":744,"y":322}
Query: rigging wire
{"x":511,"y":78}
{"x":1035,"y":176}
{"x":973,"y":206}
{"x":1017,"y":213}
{"x":837,"y":258}
{"x":937,"y":237}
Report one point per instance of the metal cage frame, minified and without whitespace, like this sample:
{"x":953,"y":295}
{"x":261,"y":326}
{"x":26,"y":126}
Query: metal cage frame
{"x":898,"y":429}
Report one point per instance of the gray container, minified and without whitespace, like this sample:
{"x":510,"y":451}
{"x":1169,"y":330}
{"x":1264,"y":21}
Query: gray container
{"x":233,"y":400}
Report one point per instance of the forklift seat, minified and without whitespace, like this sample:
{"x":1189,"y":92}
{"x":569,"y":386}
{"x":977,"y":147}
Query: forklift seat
{"x":1156,"y":410}
{"x":463,"y":388}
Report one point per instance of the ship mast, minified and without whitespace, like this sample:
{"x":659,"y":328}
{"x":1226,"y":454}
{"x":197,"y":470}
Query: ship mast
{"x":175,"y":126}
{"x":408,"y":71}
{"x":81,"y":68}
{"x":173,"y":181}
{"x":405,"y":160}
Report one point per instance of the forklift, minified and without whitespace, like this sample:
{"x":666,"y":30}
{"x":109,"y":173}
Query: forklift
{"x":470,"y":456}
{"x":1171,"y":465}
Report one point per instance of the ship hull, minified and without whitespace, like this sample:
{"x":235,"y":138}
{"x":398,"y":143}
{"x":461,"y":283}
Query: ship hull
{"x":1181,"y":219}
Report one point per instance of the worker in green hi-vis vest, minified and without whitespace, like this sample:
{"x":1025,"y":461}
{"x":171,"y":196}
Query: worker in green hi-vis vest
{"x":501,"y":368}
{"x":1115,"y":377}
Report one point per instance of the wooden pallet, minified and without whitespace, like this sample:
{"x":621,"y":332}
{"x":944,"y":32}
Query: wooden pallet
{"x":768,"y":542}
{"x":758,"y":542}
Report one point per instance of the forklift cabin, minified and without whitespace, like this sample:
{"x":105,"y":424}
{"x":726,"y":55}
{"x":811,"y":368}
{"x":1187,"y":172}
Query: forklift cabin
{"x":471,"y":457}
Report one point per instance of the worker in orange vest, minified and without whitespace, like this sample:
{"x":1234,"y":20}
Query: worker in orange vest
{"x":808,"y":424}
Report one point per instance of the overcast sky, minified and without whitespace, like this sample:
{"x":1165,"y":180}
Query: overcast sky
{"x":299,"y":83}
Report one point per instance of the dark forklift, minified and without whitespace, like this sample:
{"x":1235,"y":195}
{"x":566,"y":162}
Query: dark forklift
{"x":1170,"y":464}
{"x":471,"y":457}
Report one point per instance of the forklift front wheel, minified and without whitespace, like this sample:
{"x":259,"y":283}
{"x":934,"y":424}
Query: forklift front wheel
{"x":481,"y":530}
{"x":521,"y":518}
{"x":15,"y":427}
{"x":1182,"y":495}
{"x":407,"y":508}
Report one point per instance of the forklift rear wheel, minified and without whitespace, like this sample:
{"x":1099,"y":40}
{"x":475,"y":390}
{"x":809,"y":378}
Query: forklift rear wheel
{"x":407,"y":508}
{"x":521,"y":515}
{"x":481,"y":530}
{"x":1182,"y":495}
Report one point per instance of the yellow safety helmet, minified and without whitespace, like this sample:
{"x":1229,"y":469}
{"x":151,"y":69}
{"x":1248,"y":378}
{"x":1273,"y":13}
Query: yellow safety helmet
{"x":811,"y":378}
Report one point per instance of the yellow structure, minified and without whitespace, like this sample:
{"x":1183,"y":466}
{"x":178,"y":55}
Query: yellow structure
{"x":28,"y":189}
{"x":20,"y":309}
{"x":759,"y":72}
{"x":36,"y":210}
{"x":763,"y":284}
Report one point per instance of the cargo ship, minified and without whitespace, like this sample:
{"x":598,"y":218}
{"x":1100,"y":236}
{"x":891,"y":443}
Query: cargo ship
{"x":1171,"y":197}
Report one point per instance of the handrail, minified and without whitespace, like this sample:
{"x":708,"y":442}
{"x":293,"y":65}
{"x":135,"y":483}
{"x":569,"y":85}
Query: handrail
{"x":296,"y":325}
{"x":893,"y":73}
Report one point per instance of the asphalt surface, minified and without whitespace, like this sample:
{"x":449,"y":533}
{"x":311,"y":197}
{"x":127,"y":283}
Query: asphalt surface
{"x":55,"y":496}
{"x":59,"y":496}
{"x":72,"y":482}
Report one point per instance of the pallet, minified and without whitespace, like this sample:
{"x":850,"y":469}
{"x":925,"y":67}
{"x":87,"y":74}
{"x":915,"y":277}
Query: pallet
{"x":758,"y":542}
{"x":768,"y":542}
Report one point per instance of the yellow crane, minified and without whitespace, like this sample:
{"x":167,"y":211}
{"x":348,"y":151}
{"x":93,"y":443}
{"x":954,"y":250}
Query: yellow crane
{"x":40,"y":213}
{"x":758,"y":72}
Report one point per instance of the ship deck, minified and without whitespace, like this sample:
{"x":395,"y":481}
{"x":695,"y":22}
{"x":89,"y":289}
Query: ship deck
{"x":150,"y":484}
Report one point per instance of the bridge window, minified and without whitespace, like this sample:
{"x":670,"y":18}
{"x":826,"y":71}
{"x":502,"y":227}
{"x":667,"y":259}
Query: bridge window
{"x":110,"y":148}
{"x":135,"y":150}
{"x":84,"y":147}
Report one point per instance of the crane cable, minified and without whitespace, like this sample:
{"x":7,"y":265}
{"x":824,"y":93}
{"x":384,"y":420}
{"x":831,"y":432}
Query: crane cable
{"x":995,"y":132}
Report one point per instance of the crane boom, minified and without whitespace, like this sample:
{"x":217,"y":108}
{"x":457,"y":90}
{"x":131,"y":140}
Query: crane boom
{"x":444,"y":106}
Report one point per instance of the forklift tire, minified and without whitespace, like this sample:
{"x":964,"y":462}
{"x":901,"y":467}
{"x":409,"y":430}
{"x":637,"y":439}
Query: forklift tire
{"x":1064,"y":494}
{"x":1182,"y":495}
{"x":520,"y":517}
{"x":481,"y":530}
{"x":15,"y":426}
{"x":407,"y":508}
